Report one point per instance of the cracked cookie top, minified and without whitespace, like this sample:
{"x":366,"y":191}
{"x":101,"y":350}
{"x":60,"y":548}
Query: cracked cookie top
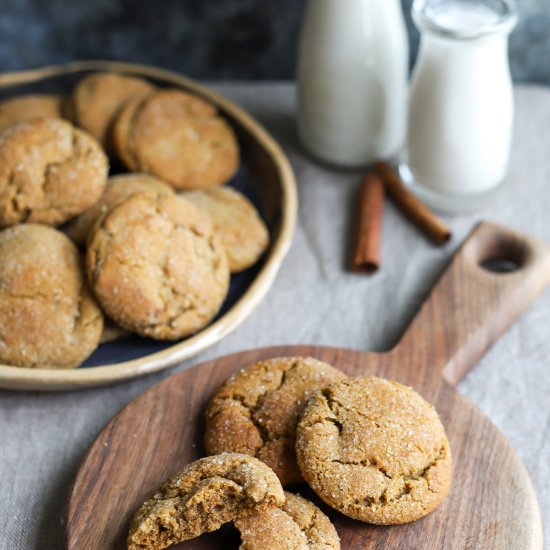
{"x":374,"y":450}
{"x":97,"y":99}
{"x":179,"y":137}
{"x":201,"y":498}
{"x":28,"y":107}
{"x":242,"y":232}
{"x":298,"y":525}
{"x":48,"y":317}
{"x":157,"y":267}
{"x":49,"y":172}
{"x":118,"y":188}
{"x":256,"y":411}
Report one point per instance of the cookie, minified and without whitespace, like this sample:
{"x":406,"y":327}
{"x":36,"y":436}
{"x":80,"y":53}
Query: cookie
{"x":49,"y":172}
{"x":157,"y":267}
{"x":298,"y":524}
{"x":122,"y":128}
{"x":118,"y":188}
{"x":112,"y":332}
{"x":48,"y":317}
{"x":374,"y":450}
{"x":98,"y":98}
{"x":242,"y":232}
{"x":178,"y":137}
{"x":201,"y":498}
{"x":29,"y":107}
{"x":256,"y":411}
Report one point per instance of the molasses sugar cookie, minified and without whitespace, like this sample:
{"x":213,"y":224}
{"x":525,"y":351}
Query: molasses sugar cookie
{"x":48,"y":317}
{"x":29,"y":107}
{"x":121,"y":134}
{"x":112,"y":332}
{"x":201,"y":498}
{"x":118,"y":188}
{"x":178,"y":137}
{"x":297,"y":524}
{"x":242,"y":232}
{"x":97,"y":99}
{"x":256,"y":411}
{"x":157,"y":266}
{"x":374,"y":450}
{"x":49,"y":172}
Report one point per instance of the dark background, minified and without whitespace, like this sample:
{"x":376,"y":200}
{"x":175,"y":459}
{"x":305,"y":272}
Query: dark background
{"x":205,"y":39}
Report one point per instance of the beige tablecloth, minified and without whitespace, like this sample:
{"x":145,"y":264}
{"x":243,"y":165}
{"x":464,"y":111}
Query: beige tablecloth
{"x":43,"y":437}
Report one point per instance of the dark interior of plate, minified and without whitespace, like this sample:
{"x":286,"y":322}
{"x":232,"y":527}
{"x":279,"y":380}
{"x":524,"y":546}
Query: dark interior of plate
{"x":247,"y":180}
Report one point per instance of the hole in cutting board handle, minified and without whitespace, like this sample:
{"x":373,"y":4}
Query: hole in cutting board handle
{"x":500,"y":265}
{"x":502,"y":254}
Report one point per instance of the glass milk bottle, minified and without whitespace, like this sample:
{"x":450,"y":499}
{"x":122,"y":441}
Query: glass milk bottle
{"x":461,"y":107}
{"x":352,"y":78}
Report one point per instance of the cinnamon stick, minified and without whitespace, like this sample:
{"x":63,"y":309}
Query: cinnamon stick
{"x":420,"y":215}
{"x":366,"y":257}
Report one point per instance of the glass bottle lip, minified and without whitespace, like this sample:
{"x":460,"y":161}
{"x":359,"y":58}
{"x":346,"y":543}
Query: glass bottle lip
{"x":425,"y":16}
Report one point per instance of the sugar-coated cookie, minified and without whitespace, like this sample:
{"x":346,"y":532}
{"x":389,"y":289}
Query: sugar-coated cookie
{"x":48,"y":316}
{"x":112,"y":332}
{"x":49,"y":172}
{"x":298,"y":525}
{"x":201,"y":498}
{"x":256,"y":411}
{"x":98,"y":98}
{"x":178,"y":137}
{"x":237,"y":222}
{"x":157,"y":267}
{"x":374,"y":450}
{"x":29,"y":107}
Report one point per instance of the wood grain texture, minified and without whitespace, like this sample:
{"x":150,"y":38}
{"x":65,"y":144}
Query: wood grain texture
{"x":276,"y":188}
{"x":492,"y":505}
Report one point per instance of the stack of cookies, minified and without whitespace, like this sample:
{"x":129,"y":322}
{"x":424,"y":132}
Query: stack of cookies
{"x":371,"y":449}
{"x":152,"y":249}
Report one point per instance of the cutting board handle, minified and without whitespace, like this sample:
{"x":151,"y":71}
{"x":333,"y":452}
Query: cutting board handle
{"x":492,"y":279}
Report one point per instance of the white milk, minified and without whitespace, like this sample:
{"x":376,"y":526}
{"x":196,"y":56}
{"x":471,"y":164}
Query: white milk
{"x":352,"y":73}
{"x":461,"y":106}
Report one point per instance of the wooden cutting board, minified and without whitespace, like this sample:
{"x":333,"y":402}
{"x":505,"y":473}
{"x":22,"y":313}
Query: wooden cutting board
{"x":492,"y":504}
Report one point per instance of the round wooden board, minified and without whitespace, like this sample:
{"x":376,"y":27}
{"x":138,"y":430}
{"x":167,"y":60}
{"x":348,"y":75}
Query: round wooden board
{"x":491,"y":505}
{"x":266,"y":169}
